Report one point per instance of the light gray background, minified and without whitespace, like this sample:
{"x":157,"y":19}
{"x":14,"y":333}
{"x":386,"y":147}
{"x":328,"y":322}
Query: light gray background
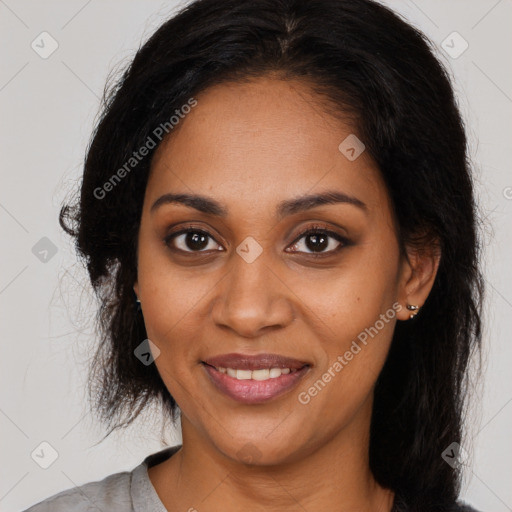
{"x":48,"y":107}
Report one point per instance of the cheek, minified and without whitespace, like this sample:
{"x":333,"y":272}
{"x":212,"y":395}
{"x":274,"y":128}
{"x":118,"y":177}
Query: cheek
{"x":354,"y":319}
{"x":172,"y":301}
{"x":173,"y":318}
{"x":351,"y":296}
{"x":172,"y":323}
{"x":349,"y":366}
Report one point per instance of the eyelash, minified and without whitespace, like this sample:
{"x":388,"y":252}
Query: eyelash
{"x":319,"y":230}
{"x":310,"y":230}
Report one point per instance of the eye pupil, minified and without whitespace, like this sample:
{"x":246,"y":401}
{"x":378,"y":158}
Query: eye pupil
{"x":196,"y":241}
{"x":319,"y":241}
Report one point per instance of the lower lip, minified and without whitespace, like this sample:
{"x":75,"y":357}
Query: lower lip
{"x":251,"y":391}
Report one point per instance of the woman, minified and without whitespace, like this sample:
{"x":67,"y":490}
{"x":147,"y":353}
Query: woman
{"x":277,"y":213}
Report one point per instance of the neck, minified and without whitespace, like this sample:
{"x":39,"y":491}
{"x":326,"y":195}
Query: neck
{"x":333,"y":476}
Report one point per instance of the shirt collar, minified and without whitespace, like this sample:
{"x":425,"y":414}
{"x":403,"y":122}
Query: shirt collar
{"x":143,"y":494}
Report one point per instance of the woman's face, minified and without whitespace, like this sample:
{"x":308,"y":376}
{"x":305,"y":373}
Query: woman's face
{"x":248,"y":282}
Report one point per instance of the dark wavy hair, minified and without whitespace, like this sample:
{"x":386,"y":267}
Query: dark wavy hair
{"x":367,"y":61}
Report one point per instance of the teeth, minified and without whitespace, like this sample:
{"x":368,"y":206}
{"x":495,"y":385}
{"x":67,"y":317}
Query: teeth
{"x":263,"y":374}
{"x":243,"y":374}
{"x":276,"y":372}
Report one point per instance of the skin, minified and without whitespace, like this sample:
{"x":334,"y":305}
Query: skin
{"x":250,"y":146}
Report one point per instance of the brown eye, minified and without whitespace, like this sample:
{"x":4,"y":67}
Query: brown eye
{"x":319,"y":241}
{"x":190,"y":240}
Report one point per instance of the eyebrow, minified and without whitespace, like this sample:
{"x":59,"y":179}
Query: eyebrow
{"x":289,"y":207}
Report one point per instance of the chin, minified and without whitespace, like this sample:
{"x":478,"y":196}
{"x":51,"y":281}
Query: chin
{"x":258,"y":451}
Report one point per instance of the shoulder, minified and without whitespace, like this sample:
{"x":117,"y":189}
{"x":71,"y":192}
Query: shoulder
{"x":112,"y":494}
{"x":125,"y":491}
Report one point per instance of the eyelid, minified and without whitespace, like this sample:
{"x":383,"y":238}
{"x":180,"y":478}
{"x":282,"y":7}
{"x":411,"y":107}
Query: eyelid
{"x":183,"y":230}
{"x":318,"y":228}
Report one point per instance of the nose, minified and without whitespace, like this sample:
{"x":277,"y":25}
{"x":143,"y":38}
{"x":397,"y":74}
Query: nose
{"x":253,"y":298}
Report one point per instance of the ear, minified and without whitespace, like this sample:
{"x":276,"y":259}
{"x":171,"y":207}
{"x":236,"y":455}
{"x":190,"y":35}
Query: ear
{"x":417,"y":276}
{"x":136,"y":288}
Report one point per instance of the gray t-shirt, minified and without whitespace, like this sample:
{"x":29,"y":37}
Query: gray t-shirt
{"x":132,"y":491}
{"x":127,"y":491}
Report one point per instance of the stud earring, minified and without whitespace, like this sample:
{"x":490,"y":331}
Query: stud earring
{"x":137,"y":302}
{"x":412,"y":307}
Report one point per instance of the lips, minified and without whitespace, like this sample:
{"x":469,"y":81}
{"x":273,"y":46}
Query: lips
{"x":253,"y":379}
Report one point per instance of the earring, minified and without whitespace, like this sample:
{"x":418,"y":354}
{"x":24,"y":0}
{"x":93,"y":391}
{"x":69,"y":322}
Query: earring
{"x":412,"y":307}
{"x":137,"y":302}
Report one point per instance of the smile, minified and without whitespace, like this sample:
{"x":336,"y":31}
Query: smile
{"x":254,"y":379}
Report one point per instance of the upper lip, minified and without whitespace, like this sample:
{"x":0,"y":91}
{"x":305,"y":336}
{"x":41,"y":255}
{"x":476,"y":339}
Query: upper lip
{"x":254,"y":362}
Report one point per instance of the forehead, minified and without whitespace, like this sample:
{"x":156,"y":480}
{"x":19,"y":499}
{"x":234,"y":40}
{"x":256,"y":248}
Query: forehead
{"x":263,"y":141}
